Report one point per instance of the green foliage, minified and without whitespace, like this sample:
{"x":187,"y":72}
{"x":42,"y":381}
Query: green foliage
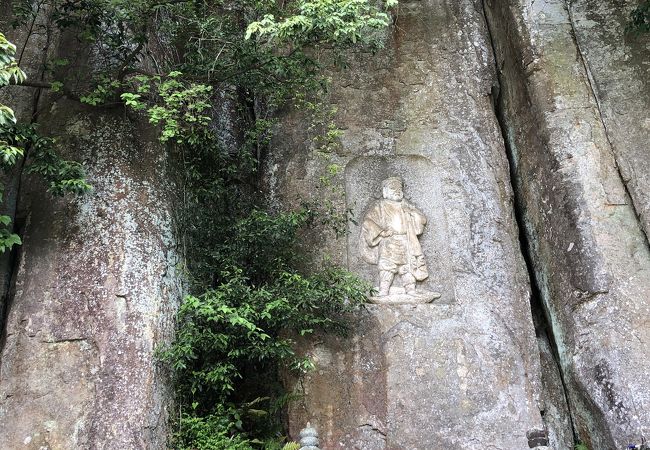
{"x":210,"y":432}
{"x":238,"y":333}
{"x":7,"y":238}
{"x":9,"y":70}
{"x":104,"y":90}
{"x":640,"y":18}
{"x":9,"y":152}
{"x":237,"y":323}
{"x":263,"y":48}
{"x":9,"y":73}
{"x":580,"y":446}
{"x":291,"y":446}
{"x":215,"y":432}
{"x":181,"y":107}
{"x":62,"y":176}
{"x":250,"y":293}
{"x":339,"y":22}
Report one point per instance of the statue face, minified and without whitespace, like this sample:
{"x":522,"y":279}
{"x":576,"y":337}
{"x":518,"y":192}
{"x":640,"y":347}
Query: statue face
{"x":393,"y":192}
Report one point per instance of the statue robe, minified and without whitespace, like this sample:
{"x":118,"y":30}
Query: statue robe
{"x":402,"y":250}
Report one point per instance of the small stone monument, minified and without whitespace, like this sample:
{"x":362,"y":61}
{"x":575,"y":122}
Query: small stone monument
{"x":390,"y":240}
{"x":309,"y":438}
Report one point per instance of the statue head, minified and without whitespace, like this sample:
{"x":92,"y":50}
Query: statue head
{"x":392,"y":189}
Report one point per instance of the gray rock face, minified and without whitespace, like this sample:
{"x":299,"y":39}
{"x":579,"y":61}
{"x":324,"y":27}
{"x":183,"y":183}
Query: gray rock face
{"x":618,"y":67}
{"x":95,"y":293}
{"x":417,"y":376}
{"x":463,"y":371}
{"x":95,"y":289}
{"x":588,"y":249}
{"x":33,"y":48}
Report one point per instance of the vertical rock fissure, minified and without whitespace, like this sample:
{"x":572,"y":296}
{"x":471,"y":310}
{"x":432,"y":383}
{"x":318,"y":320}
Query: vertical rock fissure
{"x":10,"y":260}
{"x":594,"y":94}
{"x":543,"y":326}
{"x":10,"y":269}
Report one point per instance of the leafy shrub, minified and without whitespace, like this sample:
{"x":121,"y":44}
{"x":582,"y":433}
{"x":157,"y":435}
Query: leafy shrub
{"x":233,"y":339}
{"x":211,"y":432}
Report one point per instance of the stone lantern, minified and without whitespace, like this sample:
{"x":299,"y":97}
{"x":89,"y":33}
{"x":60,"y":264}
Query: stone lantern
{"x":309,"y":438}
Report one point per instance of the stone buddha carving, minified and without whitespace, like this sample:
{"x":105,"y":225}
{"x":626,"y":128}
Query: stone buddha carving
{"x":390,"y":240}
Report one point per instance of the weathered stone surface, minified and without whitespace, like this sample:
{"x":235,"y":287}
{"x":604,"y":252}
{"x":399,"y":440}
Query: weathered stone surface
{"x":618,"y":67}
{"x":95,"y":287}
{"x":32,"y":50}
{"x":588,"y":250}
{"x":95,"y":293}
{"x":417,"y":376}
{"x":462,"y":373}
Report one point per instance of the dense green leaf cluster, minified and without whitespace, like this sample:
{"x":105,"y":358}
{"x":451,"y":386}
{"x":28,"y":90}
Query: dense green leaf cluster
{"x":233,"y":340}
{"x":9,"y":70}
{"x":338,"y":22}
{"x":261,"y":47}
{"x":9,"y":73}
{"x":9,"y":153}
{"x":211,"y":432}
{"x":236,"y":333}
{"x":62,"y":176}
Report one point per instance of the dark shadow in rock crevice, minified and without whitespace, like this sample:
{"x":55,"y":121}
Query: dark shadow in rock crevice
{"x":556,"y":413}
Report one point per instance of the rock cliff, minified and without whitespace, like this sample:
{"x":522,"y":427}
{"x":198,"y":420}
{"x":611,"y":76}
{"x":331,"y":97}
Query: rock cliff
{"x":94,"y":288}
{"x":464,"y":370}
{"x":569,"y":87}
{"x":519,"y":129}
{"x":581,"y":189}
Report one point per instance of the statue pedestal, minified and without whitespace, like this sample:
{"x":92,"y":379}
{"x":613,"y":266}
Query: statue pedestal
{"x":398,"y":296}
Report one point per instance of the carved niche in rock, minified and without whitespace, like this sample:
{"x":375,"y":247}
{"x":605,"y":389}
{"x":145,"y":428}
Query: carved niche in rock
{"x":398,"y":240}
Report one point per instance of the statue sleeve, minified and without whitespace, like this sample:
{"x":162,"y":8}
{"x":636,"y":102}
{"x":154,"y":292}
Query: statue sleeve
{"x":371,"y":235}
{"x":371,"y":228}
{"x":419,"y":219}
